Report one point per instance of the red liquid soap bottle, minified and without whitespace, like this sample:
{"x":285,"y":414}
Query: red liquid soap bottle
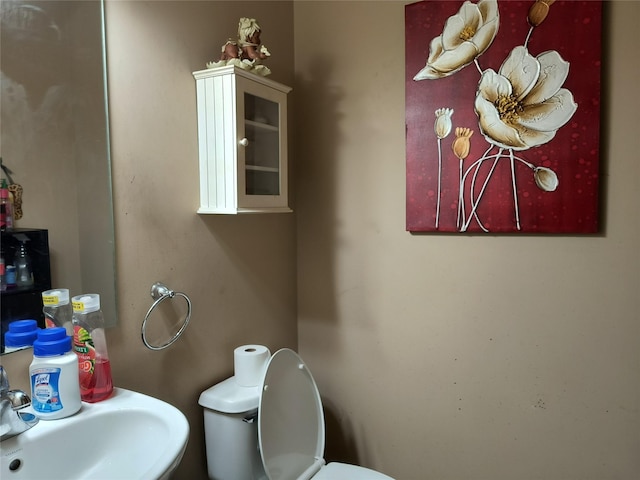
{"x":90,"y":345}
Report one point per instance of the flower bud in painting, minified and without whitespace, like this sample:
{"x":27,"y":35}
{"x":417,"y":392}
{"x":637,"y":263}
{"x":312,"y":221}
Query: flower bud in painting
{"x":443,"y":122}
{"x":462,"y":144}
{"x":546,"y":179}
{"x":538,"y":12}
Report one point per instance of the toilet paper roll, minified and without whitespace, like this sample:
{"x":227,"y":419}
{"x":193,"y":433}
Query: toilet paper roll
{"x":249,"y":364}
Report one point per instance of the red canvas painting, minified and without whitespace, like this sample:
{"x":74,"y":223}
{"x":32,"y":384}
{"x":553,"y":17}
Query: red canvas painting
{"x":503,"y":116}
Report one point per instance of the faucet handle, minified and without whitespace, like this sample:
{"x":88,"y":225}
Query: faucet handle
{"x":4,"y":382}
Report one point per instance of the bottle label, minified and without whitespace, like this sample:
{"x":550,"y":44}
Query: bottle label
{"x":86,"y":352}
{"x":45,"y":386}
{"x":50,"y":300}
{"x":78,"y":306}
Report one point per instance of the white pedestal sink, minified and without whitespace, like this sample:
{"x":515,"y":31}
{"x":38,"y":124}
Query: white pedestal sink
{"x":128,"y":436}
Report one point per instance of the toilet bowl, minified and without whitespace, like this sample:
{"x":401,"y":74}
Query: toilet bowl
{"x":273,"y":431}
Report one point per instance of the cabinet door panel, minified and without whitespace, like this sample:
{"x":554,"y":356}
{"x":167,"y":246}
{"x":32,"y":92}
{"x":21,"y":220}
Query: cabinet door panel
{"x":262,"y":154}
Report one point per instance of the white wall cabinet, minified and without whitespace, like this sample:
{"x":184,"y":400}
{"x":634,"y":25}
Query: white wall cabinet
{"x":242,"y":137}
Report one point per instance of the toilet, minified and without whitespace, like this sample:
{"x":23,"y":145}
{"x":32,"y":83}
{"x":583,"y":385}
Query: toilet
{"x":272,"y":431}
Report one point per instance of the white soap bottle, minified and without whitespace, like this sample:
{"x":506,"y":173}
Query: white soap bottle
{"x":55,"y":387}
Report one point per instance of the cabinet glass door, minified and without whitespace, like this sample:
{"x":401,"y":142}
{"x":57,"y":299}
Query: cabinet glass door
{"x":262,"y":146}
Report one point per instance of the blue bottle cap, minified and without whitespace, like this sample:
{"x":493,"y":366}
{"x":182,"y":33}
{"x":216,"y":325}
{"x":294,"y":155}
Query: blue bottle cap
{"x":51,"y":342}
{"x":21,"y":333}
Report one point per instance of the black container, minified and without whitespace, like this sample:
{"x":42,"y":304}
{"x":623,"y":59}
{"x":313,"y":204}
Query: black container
{"x":20,"y":303}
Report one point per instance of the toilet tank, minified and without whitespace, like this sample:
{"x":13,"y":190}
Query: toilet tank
{"x":231,"y":431}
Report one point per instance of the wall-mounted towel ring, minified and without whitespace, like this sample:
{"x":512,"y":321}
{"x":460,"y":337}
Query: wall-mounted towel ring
{"x":160,"y":292}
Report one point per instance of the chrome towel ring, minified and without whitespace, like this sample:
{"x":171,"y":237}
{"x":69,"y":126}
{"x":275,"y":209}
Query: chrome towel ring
{"x":160,"y":292}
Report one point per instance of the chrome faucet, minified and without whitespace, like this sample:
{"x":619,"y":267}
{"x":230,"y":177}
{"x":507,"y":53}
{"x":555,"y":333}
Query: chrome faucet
{"x":12,"y":402}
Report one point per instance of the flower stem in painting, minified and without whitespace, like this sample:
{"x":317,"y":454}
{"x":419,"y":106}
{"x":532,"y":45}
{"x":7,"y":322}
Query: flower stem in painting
{"x":515,"y":191}
{"x":460,"y":198}
{"x":476,"y":201}
{"x":442,"y":128}
{"x":439,"y":181}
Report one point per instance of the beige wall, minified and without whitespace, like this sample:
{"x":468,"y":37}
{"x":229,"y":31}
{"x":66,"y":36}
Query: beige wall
{"x":238,"y":271}
{"x":437,"y":359}
{"x":458,"y":356}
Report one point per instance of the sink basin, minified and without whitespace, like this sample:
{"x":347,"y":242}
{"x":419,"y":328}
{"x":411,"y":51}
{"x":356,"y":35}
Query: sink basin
{"x":128,"y":436}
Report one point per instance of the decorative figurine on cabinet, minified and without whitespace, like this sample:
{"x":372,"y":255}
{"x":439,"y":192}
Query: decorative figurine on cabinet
{"x":247,"y":52}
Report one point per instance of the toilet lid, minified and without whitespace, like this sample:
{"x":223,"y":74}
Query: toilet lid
{"x":290,"y":419}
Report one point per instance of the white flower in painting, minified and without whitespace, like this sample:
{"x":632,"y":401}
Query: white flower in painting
{"x":524,"y":104}
{"x":466,"y":36}
{"x":443,"y":125}
{"x":546,"y":179}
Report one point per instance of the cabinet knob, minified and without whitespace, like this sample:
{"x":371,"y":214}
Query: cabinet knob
{"x":244,"y":142}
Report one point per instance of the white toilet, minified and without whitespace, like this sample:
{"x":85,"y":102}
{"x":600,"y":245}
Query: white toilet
{"x":272,"y":431}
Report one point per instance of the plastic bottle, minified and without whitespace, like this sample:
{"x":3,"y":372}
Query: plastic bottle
{"x":90,"y":345}
{"x":57,"y":309}
{"x":6,"y":208}
{"x":24,"y":272}
{"x":55,"y":391}
{"x":10,"y":276}
{"x":21,"y":334}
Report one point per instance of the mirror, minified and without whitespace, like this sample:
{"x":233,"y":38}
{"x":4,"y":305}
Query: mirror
{"x":54,"y":139}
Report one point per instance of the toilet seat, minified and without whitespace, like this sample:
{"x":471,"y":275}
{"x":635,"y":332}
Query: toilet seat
{"x":291,"y":430}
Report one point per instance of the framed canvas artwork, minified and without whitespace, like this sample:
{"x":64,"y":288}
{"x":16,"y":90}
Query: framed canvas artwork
{"x":503,"y":116}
